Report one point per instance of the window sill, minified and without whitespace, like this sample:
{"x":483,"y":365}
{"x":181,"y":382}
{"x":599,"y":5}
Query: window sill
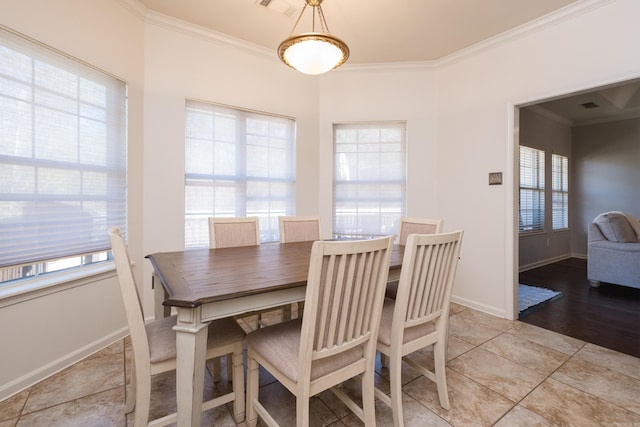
{"x":26,"y":289}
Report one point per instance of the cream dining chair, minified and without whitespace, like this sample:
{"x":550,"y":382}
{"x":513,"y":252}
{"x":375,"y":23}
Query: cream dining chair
{"x":410,"y":226}
{"x":299,"y":229}
{"x":154,"y":347}
{"x":231,"y":232}
{"x":336,"y":338}
{"x":419,"y":316}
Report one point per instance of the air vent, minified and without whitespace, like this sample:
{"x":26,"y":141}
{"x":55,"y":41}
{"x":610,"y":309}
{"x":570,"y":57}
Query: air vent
{"x":280,"y":6}
{"x":590,"y":105}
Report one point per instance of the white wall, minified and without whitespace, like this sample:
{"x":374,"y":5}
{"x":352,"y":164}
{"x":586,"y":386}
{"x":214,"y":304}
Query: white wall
{"x":476,"y":94}
{"x":42,"y":335}
{"x":460,"y":120}
{"x":185,"y":63}
{"x":606,"y":173}
{"x":405,"y":93}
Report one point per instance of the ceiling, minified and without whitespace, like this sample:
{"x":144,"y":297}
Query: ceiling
{"x":613,"y":102}
{"x":396,"y":31}
{"x":377,"y":31}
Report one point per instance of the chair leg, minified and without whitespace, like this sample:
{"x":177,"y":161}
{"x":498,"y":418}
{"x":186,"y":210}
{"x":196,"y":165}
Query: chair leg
{"x":384,"y":360}
{"x":130,"y":396}
{"x":286,"y":313}
{"x":302,"y":410}
{"x":238,"y":382}
{"x":252,"y":391}
{"x":395,"y":380}
{"x":143,"y":399}
{"x":216,"y":369}
{"x":439,"y":353}
{"x":368,"y":397}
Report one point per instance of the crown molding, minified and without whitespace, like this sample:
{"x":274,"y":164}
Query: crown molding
{"x":174,"y":24}
{"x":554,"y":18}
{"x":135,"y":7}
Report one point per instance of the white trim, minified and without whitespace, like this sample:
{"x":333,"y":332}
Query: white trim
{"x":544,"y":262}
{"x":554,"y":18}
{"x":566,"y":13}
{"x":27,"y":289}
{"x":178,"y":25}
{"x":9,"y":389}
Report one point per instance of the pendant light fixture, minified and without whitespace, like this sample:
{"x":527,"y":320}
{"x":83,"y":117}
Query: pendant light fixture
{"x":314,"y":52}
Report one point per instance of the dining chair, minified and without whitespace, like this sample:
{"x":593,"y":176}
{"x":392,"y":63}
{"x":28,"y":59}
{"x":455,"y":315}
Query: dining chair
{"x":419,"y":316}
{"x":229,"y":232}
{"x":154,"y":347}
{"x":336,"y":338}
{"x":299,"y":229}
{"x":410,"y":226}
{"x":233,"y":232}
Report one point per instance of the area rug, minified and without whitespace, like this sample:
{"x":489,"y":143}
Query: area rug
{"x":532,"y":296}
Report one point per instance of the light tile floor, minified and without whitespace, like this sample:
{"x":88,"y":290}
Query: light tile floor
{"x":500,"y":372}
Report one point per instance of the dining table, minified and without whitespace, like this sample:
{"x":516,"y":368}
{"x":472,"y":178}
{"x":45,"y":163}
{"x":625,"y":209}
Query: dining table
{"x":207,"y":284}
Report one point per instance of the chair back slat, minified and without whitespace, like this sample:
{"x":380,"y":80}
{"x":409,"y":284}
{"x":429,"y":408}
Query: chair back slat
{"x":345,"y":290}
{"x":425,"y":286}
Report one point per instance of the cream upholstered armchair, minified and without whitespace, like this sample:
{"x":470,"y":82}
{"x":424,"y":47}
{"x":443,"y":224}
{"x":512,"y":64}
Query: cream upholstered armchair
{"x":154,"y":347}
{"x":336,"y":338}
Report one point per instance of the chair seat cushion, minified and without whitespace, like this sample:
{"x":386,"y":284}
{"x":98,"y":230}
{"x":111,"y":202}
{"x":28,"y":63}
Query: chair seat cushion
{"x":280,"y":344}
{"x":162,"y":337}
{"x":410,"y":334}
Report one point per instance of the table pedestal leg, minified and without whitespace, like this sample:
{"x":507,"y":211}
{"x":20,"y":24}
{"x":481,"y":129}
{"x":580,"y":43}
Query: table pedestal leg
{"x":191,"y":341}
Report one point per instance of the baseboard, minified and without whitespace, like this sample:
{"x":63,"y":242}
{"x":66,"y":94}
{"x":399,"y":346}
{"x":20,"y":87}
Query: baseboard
{"x":480,"y":307}
{"x":25,"y":381}
{"x":544,"y":262}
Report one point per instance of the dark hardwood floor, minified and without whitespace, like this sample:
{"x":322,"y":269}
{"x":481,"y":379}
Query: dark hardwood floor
{"x":608,"y":316}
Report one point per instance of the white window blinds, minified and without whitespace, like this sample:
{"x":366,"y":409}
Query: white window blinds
{"x":560,"y":191}
{"x":62,"y":154}
{"x":531,"y":212}
{"x":237,"y":163}
{"x":369,"y":189}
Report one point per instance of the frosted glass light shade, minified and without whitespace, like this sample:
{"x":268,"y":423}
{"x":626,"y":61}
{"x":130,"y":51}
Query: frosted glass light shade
{"x":313,"y":53}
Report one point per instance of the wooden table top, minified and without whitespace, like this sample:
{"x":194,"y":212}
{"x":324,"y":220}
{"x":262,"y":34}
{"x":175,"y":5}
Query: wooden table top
{"x":200,"y":276}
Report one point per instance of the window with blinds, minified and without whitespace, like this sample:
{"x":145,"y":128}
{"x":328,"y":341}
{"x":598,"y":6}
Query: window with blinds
{"x":531,"y":209}
{"x":369,"y":187}
{"x":62,"y":159}
{"x":560,"y":191}
{"x":237,"y":163}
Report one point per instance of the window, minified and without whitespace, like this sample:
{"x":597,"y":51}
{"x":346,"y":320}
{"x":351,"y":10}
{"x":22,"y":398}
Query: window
{"x":560,"y":191}
{"x":62,"y":160}
{"x":237,"y":163}
{"x":531,"y":212}
{"x":369,"y":188}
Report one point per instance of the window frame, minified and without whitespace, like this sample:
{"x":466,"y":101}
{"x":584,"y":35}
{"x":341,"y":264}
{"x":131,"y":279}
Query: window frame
{"x":535,"y":186}
{"x":43,"y":88}
{"x":242,"y":183}
{"x":559,"y":191}
{"x":344,"y":188}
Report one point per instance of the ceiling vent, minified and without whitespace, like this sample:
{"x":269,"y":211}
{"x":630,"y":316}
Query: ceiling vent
{"x":280,"y":6}
{"x":590,"y":105}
